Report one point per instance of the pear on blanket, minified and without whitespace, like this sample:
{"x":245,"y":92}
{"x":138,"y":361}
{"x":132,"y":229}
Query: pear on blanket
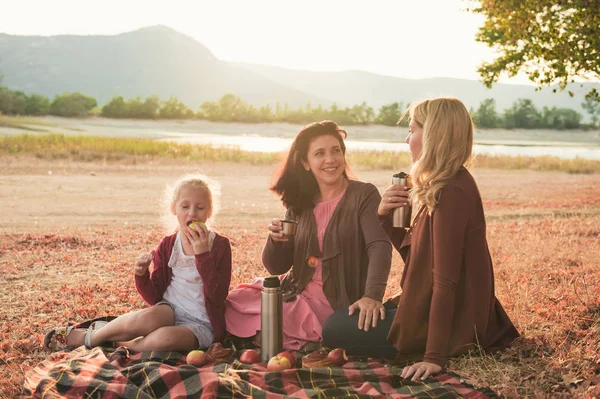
{"x":197,"y":358}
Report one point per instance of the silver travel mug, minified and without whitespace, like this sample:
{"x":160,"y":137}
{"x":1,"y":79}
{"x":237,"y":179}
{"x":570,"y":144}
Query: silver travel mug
{"x":271,"y":319}
{"x":401,"y":216}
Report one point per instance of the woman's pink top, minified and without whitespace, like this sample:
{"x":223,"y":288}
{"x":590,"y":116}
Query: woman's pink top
{"x":303,"y":318}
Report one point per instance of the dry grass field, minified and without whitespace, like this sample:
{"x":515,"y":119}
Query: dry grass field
{"x":70,"y":230}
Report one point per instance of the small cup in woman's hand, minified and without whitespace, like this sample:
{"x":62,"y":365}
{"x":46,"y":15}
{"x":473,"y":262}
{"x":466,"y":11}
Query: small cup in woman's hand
{"x":276,"y":231}
{"x":289,"y":227}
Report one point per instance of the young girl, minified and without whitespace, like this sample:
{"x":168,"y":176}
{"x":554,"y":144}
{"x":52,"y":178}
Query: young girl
{"x":187,"y":287}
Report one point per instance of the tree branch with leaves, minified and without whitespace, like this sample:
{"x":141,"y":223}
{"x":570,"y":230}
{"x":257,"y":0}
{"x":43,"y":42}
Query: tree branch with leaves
{"x":552,"y":41}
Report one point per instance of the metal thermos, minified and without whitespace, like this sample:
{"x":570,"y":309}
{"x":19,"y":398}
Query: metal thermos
{"x":401,"y":216}
{"x":271,"y":319}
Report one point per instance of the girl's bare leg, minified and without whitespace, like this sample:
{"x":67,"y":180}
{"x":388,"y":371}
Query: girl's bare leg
{"x":135,"y":324}
{"x":127,"y":327}
{"x":170,"y":338}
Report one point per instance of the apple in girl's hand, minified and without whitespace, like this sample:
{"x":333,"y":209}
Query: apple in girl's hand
{"x":196,"y":358}
{"x":338,"y":357}
{"x":192,"y":225}
{"x":278,"y":363}
{"x":249,"y":356}
{"x":289,"y":356}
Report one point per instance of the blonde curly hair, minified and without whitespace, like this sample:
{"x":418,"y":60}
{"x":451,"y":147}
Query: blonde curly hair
{"x":447,"y":146}
{"x":171,"y":195}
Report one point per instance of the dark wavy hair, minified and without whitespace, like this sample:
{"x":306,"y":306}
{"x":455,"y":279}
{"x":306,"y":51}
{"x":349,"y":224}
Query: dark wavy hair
{"x":296,"y":186}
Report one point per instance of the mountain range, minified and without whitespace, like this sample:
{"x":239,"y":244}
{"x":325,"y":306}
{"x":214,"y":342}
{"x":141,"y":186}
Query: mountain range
{"x":159,"y":60}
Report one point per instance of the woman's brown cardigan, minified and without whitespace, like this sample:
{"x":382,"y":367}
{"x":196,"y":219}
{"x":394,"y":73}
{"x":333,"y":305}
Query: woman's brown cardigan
{"x":357,"y":253}
{"x":448,"y":304}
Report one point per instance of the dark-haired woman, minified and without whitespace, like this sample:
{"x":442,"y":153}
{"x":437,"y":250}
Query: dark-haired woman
{"x":340,"y":256}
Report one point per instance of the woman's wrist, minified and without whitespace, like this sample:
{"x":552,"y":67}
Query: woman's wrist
{"x":434,"y":360}
{"x":384,"y":217}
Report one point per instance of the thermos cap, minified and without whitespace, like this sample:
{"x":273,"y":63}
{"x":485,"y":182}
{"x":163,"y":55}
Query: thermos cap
{"x":271,"y":282}
{"x":401,"y":175}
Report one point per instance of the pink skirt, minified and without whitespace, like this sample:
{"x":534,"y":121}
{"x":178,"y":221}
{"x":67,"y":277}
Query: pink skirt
{"x":303,"y":317}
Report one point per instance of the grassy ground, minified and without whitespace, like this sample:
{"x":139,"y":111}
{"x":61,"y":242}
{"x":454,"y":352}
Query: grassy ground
{"x":73,"y":225}
{"x":94,"y":149}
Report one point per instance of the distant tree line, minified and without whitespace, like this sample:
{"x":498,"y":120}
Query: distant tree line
{"x":524,"y":115}
{"x":230,"y":108}
{"x":66,"y":104}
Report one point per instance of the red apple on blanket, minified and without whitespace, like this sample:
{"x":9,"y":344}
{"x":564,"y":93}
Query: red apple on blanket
{"x":196,"y":358}
{"x":289,"y":356}
{"x":278,"y":363}
{"x":249,"y":356}
{"x":338,"y":357}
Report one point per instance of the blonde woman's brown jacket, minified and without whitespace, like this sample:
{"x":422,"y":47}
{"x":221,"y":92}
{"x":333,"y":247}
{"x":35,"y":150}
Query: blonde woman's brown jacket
{"x":448,"y":303}
{"x":357,"y":253}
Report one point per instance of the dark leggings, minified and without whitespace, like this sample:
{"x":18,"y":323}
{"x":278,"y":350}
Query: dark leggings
{"x":341,"y":331}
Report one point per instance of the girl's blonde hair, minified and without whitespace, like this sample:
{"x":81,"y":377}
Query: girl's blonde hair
{"x":171,"y":195}
{"x":447,"y":146}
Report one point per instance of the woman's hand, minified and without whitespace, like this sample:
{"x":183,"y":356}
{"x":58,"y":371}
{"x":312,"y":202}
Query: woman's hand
{"x":198,"y":237}
{"x":142,"y":263}
{"x":275,"y":231}
{"x":393,"y":197}
{"x":370,"y":311}
{"x":420,"y":370}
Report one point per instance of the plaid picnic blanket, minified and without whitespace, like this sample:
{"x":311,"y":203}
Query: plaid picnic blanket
{"x":107,"y":373}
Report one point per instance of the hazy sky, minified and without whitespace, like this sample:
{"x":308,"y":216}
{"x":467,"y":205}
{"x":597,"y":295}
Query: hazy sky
{"x":410,"y":39}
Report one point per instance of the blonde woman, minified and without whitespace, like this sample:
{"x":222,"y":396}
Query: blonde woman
{"x":448,"y":304}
